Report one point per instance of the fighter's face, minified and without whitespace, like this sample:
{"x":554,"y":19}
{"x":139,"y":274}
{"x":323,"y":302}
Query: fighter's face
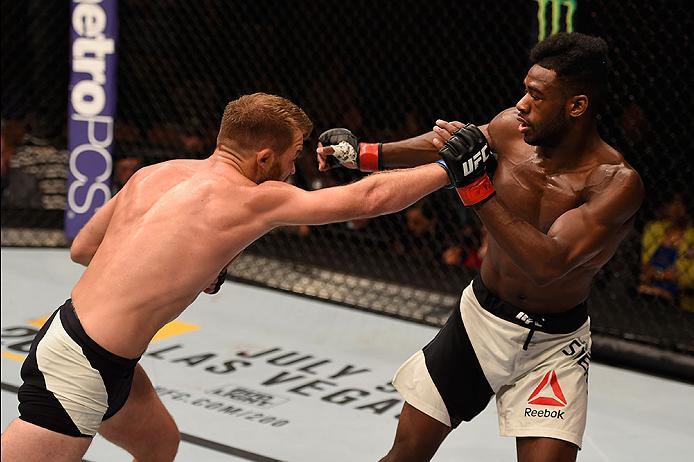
{"x":542,"y":114}
{"x":279,"y":166}
{"x":283,"y":166}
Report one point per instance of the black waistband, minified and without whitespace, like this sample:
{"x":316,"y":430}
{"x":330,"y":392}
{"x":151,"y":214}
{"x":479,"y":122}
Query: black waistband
{"x":556,"y":323}
{"x":74,"y":329}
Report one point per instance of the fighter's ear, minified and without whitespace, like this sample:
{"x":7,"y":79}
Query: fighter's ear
{"x":263,"y":157}
{"x":578,"y":105}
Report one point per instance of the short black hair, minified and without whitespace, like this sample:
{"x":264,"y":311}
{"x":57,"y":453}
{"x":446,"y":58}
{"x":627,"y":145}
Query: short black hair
{"x":579,"y":60}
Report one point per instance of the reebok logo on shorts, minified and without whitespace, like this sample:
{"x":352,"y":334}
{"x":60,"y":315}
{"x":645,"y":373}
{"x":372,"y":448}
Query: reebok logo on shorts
{"x":552,"y":396}
{"x":547,"y":393}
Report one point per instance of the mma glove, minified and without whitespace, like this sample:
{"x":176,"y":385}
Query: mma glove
{"x":218,"y":283}
{"x":349,"y":153}
{"x":465,"y":157}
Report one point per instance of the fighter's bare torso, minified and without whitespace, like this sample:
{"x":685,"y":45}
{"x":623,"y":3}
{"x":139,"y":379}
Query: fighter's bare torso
{"x":538,"y":195}
{"x":174,"y":226}
{"x":165,"y":237}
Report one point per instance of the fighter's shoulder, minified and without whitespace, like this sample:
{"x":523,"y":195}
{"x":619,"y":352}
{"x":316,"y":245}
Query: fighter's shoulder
{"x":610,"y":167}
{"x":503,"y":128}
{"x":269,"y":195}
{"x":274,"y":187}
{"x":612,"y":177}
{"x":160,"y":168}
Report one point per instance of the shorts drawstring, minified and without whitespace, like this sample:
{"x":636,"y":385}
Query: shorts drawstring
{"x":530,"y":335}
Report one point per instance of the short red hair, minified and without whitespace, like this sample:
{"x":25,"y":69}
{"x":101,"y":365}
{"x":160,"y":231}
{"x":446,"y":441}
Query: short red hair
{"x":262,"y":120}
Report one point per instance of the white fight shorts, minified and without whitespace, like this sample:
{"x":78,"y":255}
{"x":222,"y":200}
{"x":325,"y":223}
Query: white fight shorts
{"x":536,"y":365}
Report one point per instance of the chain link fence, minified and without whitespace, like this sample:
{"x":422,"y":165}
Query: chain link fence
{"x":386,"y":70}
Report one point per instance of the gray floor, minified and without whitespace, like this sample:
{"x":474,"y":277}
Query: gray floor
{"x":323,"y":393}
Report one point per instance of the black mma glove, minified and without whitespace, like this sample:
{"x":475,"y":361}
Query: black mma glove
{"x":466,"y":154}
{"x":220,"y":280}
{"x":349,"y":152}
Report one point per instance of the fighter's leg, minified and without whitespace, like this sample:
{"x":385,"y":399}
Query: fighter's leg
{"x":417,"y":438}
{"x":443,"y":385}
{"x":54,"y":382}
{"x":545,"y":450}
{"x":143,"y":427}
{"x":25,"y":442}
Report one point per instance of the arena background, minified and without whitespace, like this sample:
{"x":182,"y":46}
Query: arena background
{"x":386,"y":70}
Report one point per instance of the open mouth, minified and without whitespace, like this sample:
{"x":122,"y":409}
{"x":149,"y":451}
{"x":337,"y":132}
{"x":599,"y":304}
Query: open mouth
{"x":523,"y":125}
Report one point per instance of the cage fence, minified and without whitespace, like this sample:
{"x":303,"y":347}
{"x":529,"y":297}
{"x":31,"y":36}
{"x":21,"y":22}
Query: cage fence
{"x":387,"y":71}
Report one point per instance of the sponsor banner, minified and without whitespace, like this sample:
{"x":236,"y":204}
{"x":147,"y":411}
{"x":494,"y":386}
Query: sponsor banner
{"x":91,"y":109}
{"x":554,"y":16}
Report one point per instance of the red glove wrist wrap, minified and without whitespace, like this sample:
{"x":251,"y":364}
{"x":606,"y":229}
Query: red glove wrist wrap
{"x":478,"y":191}
{"x":368,"y":157}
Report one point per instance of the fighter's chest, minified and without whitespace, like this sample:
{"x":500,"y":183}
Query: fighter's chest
{"x":535,"y":195}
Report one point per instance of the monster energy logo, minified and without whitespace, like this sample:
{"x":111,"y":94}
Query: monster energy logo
{"x":556,"y":12}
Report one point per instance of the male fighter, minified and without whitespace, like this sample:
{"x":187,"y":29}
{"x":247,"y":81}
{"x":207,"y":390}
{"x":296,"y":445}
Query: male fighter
{"x":150,"y":251}
{"x":560,"y":203}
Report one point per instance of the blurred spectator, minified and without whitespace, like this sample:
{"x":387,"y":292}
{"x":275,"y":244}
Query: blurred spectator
{"x":358,"y":225}
{"x":192,"y":142}
{"x":667,"y":257}
{"x":164,"y":135}
{"x":633,"y":122}
{"x":470,"y":251}
{"x":182,"y":142}
{"x":410,"y":125}
{"x":420,"y":220}
{"x":422,"y":234}
{"x":19,"y":188}
{"x":127,"y":134}
{"x":124,"y":169}
{"x":11,"y":134}
{"x":335,"y":80}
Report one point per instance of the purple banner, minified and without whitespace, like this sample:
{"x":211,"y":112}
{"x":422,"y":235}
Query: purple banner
{"x":91,"y":109}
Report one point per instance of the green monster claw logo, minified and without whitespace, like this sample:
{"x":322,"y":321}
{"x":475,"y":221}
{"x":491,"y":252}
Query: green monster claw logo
{"x":557,"y":5}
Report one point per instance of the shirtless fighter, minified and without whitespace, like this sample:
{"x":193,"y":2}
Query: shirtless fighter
{"x":559,"y":205}
{"x":150,"y":251}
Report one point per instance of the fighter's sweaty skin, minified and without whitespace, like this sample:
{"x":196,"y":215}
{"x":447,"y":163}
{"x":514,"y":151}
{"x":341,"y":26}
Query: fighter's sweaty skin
{"x":164,"y":238}
{"x":172,"y":215}
{"x":539,"y":196}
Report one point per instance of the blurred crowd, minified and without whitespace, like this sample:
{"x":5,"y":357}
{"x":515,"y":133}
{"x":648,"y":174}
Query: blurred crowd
{"x":667,"y":256}
{"x":436,"y":232}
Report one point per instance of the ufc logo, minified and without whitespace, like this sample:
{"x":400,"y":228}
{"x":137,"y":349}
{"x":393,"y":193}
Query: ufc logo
{"x":472,"y":163}
{"x":527,"y":320}
{"x":524,"y":318}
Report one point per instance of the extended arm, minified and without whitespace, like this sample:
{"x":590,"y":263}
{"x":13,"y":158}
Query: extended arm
{"x":419,"y":150}
{"x":90,"y":236}
{"x":411,"y":152}
{"x":575,"y":237}
{"x":378,"y":194}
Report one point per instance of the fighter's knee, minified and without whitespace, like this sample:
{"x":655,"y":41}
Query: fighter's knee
{"x":164,"y":449}
{"x":160,"y":447}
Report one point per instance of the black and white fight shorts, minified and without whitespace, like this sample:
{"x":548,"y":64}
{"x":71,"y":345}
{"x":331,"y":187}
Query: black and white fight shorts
{"x":71,"y":384}
{"x":537,"y":366}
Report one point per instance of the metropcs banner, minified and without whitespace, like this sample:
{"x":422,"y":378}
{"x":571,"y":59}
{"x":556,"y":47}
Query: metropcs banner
{"x":91,"y":109}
